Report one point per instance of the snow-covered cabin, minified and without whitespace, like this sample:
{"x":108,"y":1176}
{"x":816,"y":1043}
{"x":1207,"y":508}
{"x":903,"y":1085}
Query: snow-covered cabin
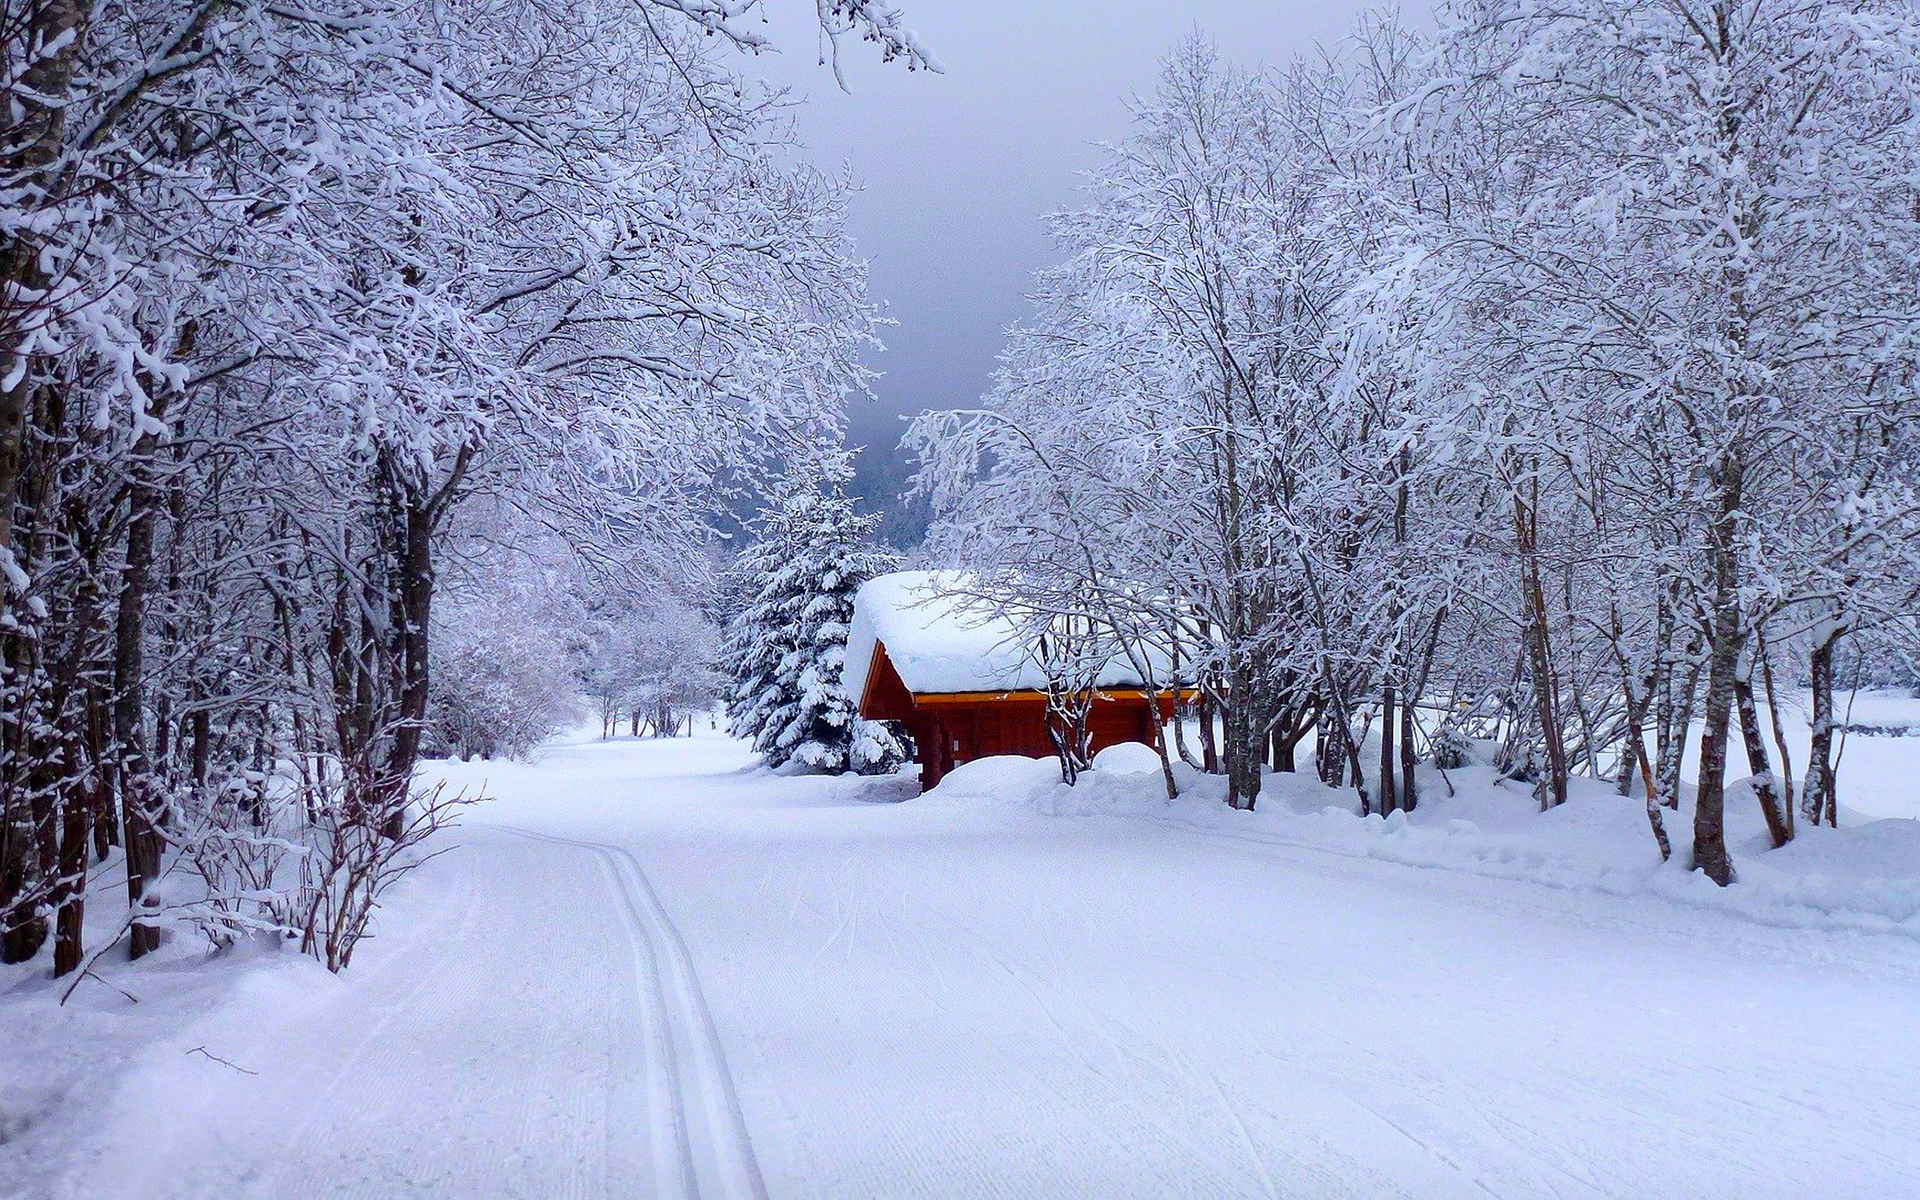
{"x":959,"y":677}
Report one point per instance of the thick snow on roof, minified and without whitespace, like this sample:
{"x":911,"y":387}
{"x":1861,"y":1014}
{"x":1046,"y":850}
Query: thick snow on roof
{"x":943,"y":642}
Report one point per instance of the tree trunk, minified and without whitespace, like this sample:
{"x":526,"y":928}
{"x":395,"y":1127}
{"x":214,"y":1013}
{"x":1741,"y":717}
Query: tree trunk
{"x":1709,"y":820}
{"x":414,"y":610}
{"x":1157,"y":737}
{"x":1763,"y":783}
{"x":1330,"y":752}
{"x":1662,"y":698}
{"x":1539,"y":653}
{"x":1347,"y":762}
{"x":1066,"y":722}
{"x":70,"y":898}
{"x":29,"y":849}
{"x":106,"y":829}
{"x":139,"y":798}
{"x":1635,"y":756}
{"x":1209,"y":745}
{"x":25,"y":811}
{"x":1820,"y":802}
{"x":1677,"y":691}
{"x":21,"y":930}
{"x":1180,"y":714}
{"x":1723,"y":661}
{"x":1779,"y":738}
{"x":1553,"y":786}
{"x":1409,"y":797}
{"x":1300,"y":722}
{"x":1388,"y":790}
{"x":1241,"y":750}
{"x":56,"y":30}
{"x":80,"y":782}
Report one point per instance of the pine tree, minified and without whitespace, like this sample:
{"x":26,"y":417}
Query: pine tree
{"x":786,"y":649}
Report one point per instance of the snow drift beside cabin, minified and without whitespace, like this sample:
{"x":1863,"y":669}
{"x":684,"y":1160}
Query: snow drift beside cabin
{"x":943,"y":641}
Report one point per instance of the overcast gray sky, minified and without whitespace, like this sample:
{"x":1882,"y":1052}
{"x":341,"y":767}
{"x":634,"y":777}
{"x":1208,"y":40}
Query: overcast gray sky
{"x":958,"y":168}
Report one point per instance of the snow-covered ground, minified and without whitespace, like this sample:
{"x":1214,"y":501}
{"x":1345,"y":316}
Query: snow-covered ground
{"x":1879,"y":775}
{"x":652,"y":969}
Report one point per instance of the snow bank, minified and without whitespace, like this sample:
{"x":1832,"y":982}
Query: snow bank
{"x":1123,"y":758}
{"x":130,"y":1041}
{"x":1116,"y":784}
{"x":1865,"y":878}
{"x":1849,"y":879}
{"x":943,"y":641}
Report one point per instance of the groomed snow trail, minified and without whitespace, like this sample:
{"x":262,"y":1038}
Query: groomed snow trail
{"x":648,"y":969}
{"x":529,"y":1023}
{"x":699,"y":1140}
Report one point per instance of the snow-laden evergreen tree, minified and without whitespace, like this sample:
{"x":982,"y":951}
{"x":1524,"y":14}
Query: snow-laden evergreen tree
{"x":786,"y":649}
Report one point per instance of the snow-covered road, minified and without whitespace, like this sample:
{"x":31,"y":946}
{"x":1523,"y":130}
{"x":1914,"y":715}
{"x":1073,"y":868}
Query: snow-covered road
{"x":648,"y":970}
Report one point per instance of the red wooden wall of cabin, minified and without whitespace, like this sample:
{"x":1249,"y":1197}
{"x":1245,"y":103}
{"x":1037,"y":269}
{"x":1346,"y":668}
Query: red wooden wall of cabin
{"x":952,"y":732}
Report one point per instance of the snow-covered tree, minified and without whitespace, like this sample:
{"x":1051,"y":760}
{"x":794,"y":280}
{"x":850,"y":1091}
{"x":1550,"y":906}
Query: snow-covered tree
{"x":652,"y":662}
{"x":501,"y":681}
{"x":1698,"y":240}
{"x":786,"y":648}
{"x":286,"y":291}
{"x":1558,"y":364}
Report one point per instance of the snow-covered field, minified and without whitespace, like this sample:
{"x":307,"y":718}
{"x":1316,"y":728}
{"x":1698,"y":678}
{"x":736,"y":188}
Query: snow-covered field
{"x":652,"y":969}
{"x":1879,"y":775}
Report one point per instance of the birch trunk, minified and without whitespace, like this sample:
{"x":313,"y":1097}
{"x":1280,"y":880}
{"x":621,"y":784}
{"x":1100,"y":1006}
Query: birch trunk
{"x":1820,"y":803}
{"x":1764,"y":788}
{"x":1723,"y":661}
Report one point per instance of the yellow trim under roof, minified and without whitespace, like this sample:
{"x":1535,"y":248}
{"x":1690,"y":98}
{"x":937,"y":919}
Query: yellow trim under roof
{"x":1024,"y":693}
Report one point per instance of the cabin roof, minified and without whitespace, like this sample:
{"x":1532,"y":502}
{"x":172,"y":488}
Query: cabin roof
{"x":941,"y":641}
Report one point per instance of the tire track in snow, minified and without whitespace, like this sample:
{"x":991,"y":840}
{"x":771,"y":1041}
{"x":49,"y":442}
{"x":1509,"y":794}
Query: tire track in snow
{"x":693,"y":1106}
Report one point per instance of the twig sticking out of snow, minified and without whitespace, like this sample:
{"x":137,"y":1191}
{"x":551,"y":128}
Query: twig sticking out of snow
{"x":205,"y":1053}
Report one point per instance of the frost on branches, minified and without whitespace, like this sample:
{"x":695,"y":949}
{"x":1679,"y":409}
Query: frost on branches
{"x":786,"y":650}
{"x":288,"y":293}
{"x":1547,"y":378}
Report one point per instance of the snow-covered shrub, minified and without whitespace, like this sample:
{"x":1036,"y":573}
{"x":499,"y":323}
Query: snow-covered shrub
{"x":231,"y":874}
{"x":348,"y":862}
{"x":786,"y":649}
{"x":500,"y":681}
{"x":1452,"y":749}
{"x":292,"y":854}
{"x":1518,"y":761}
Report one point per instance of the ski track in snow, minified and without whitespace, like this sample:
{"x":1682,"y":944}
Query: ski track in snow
{"x":942,"y":999}
{"x":711,"y":1153}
